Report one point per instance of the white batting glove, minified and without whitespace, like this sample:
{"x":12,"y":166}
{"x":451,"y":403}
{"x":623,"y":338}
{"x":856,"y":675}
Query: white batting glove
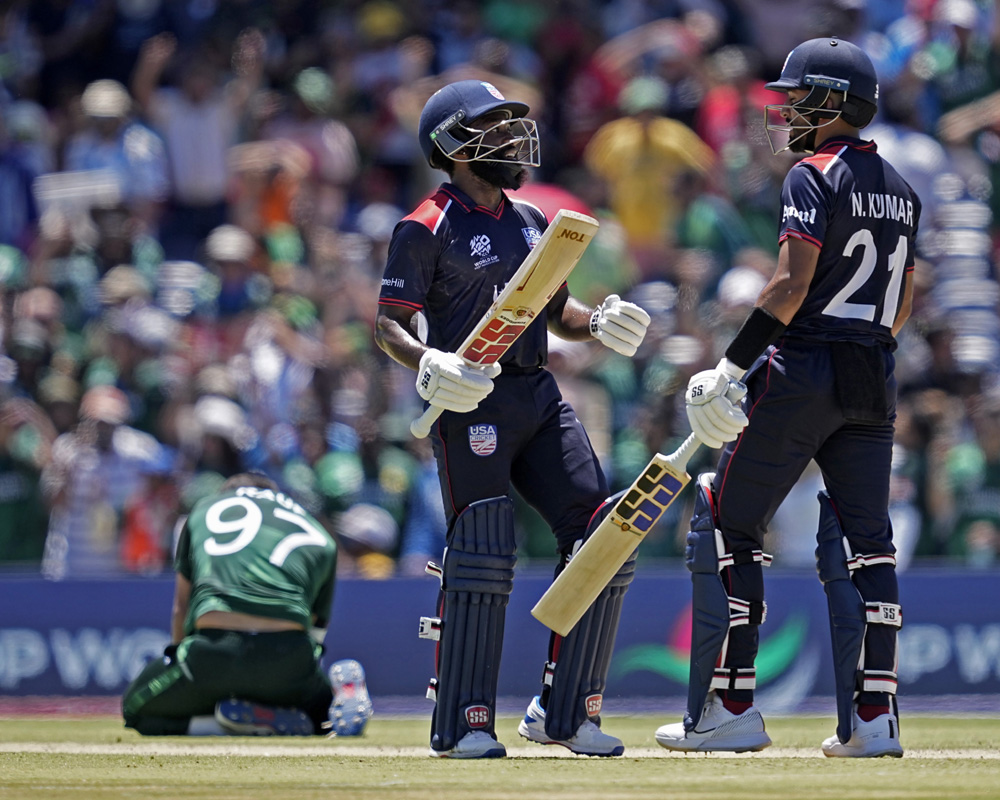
{"x":445,"y":381}
{"x":619,"y":325}
{"x":713,"y":404}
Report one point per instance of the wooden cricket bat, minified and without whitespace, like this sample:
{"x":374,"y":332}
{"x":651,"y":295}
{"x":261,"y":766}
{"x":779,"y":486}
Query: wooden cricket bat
{"x":526,"y":294}
{"x":610,"y":545}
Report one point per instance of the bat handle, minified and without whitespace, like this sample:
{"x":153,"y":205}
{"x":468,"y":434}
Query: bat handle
{"x":680,"y":457}
{"x":421,"y":426}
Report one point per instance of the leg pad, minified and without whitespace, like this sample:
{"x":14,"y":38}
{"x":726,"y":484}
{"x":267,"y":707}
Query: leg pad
{"x":720,"y":659}
{"x":476,"y":580}
{"x":862,"y":599}
{"x":577,"y":671}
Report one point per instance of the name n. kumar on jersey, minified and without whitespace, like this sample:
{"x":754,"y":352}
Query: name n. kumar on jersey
{"x":882,"y":206}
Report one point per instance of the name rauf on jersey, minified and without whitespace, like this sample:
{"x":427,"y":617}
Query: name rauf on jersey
{"x":280,"y":498}
{"x":882,"y":206}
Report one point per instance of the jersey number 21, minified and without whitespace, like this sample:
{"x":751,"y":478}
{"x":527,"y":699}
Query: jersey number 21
{"x":840,"y":306}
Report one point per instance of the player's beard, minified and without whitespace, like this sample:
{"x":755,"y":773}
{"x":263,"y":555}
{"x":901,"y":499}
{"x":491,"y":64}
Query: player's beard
{"x":802,"y":138}
{"x":503,"y":176}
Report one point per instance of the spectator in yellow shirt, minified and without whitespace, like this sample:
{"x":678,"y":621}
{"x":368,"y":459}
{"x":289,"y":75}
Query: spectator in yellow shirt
{"x":639,"y":157}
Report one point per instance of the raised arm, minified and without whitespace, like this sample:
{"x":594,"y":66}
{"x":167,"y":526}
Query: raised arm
{"x":153,"y":59}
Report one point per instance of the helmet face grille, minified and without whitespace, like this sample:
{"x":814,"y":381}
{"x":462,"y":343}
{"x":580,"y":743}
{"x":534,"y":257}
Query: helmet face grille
{"x":803,"y":126}
{"x":518,"y":145}
{"x":448,"y":124}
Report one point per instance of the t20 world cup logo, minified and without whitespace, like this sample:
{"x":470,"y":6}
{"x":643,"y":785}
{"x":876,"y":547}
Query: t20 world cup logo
{"x":480,"y":245}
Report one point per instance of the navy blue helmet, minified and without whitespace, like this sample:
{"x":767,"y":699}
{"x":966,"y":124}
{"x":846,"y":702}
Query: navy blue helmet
{"x":446,"y":126}
{"x":829,"y":65}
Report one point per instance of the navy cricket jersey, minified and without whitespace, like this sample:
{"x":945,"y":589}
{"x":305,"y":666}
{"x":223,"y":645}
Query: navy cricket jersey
{"x":450,"y":259}
{"x":850,"y":202}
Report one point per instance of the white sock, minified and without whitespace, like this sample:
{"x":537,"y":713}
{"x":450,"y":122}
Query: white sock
{"x":205,"y":726}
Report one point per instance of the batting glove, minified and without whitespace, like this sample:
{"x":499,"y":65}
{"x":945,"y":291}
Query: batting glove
{"x":713,"y":404}
{"x":619,"y":325}
{"x":445,"y":381}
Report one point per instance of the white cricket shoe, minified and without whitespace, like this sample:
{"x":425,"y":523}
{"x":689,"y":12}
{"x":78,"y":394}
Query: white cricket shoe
{"x":475,"y":744}
{"x":589,"y":740}
{"x":880,"y":737}
{"x":351,"y":707}
{"x":718,"y":729}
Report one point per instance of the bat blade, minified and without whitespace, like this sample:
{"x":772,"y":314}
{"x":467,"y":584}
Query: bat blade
{"x":530,"y":288}
{"x":613,"y":541}
{"x":523,"y":298}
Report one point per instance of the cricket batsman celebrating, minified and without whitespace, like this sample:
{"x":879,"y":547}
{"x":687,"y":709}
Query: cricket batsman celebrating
{"x":502,"y":424}
{"x":816,"y":355}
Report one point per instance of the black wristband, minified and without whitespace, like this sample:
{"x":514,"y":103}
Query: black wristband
{"x":759,"y":330}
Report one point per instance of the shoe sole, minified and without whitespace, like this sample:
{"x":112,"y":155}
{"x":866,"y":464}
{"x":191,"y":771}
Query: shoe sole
{"x":745,"y":745}
{"x":358,"y":708}
{"x":525,"y":732}
{"x":891,"y":753}
{"x":232,"y":718}
{"x":500,"y":752}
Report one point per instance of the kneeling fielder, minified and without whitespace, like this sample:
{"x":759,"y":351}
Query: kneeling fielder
{"x":255,"y":574}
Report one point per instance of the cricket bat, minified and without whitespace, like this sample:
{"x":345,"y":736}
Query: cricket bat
{"x":610,"y":545}
{"x":524,"y":297}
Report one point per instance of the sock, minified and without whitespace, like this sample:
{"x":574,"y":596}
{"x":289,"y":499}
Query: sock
{"x":205,"y":726}
{"x":735,"y":706}
{"x":868,"y":713}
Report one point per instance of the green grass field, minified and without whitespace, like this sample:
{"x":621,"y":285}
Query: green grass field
{"x":94,"y":757}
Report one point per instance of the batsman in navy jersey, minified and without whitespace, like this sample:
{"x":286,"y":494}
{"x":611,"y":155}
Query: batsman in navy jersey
{"x":504,"y":425}
{"x":816,"y":354}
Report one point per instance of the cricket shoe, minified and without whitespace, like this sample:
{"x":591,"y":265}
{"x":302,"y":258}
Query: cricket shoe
{"x":351,"y":707}
{"x":475,"y":744}
{"x":243,"y":718}
{"x":589,"y":740}
{"x":880,"y":737}
{"x":718,"y":729}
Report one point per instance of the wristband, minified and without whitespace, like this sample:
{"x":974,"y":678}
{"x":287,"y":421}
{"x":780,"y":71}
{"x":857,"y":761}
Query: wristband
{"x":595,"y":320}
{"x":760,"y":329}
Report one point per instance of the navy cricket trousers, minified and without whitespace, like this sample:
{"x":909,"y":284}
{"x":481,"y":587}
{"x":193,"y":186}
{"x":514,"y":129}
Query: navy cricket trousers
{"x":795,"y":416}
{"x":525,"y":434}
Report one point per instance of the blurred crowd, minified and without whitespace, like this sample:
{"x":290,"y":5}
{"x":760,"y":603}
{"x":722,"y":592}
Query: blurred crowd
{"x":197,"y":198}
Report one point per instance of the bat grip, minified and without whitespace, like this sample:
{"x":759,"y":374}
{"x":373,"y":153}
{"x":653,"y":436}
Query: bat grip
{"x":683,"y":454}
{"x":421,"y":426}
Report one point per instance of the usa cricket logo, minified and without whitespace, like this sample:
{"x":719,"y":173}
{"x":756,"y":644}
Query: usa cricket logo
{"x":531,"y":236}
{"x":483,"y":439}
{"x":489,"y":87}
{"x":642,"y":507}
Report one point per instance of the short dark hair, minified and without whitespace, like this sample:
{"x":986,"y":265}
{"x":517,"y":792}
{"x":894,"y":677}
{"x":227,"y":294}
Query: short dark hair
{"x":255,"y":479}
